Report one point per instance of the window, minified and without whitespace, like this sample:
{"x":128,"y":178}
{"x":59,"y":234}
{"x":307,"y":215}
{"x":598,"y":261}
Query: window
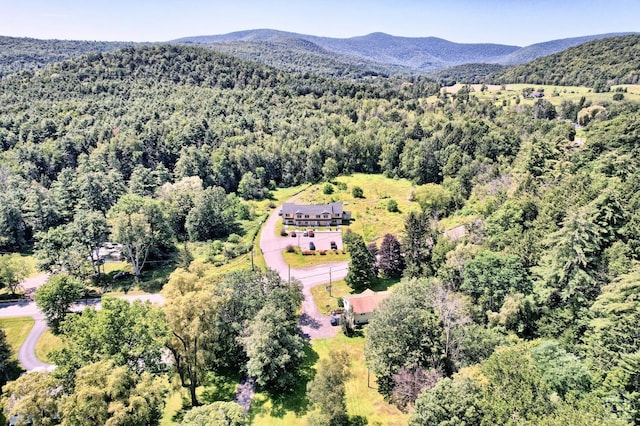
{"x":306,"y":216}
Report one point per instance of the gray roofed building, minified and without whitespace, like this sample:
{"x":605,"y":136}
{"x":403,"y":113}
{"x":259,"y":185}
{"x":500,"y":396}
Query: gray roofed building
{"x":311,"y":215}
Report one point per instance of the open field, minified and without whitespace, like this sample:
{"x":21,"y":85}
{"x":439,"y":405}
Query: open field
{"x":554,"y":94}
{"x":17,"y":330}
{"x":370,"y":217}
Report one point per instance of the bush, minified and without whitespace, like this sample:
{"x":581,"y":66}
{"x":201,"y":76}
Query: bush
{"x":618,"y":96}
{"x":308,"y":252}
{"x":322,"y":252}
{"x":357,"y":192}
{"x":341,"y":186}
{"x":340,"y":302}
{"x":290,"y":249}
{"x":392,"y":206}
{"x":327,"y":189}
{"x":234,"y":238}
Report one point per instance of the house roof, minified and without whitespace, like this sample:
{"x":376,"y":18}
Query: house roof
{"x":291,"y":208}
{"x":367,"y":301}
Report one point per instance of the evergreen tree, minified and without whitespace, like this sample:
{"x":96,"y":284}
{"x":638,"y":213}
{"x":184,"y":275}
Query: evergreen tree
{"x":419,"y":239}
{"x":361,"y":268}
{"x":391,"y":262}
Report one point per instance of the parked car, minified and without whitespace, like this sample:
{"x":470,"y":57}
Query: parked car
{"x":312,"y":246}
{"x":293,"y":234}
{"x":305,"y":234}
{"x":122,"y":275}
{"x":311,"y":234}
{"x":335,"y":320}
{"x":334,"y":246}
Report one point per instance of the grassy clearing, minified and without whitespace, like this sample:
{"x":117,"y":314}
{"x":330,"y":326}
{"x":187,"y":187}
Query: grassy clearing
{"x":17,"y":329}
{"x":298,"y":260}
{"x":362,"y":399}
{"x":47,"y":343}
{"x":370,"y":217}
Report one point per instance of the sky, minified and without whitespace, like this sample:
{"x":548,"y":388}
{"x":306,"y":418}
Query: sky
{"x":513,"y":22}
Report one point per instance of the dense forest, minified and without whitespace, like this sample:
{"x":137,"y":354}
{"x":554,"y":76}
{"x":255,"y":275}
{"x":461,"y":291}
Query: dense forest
{"x":530,"y":318}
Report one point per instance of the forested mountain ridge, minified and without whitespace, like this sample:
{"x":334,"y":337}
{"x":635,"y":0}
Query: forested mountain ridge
{"x":606,"y":62}
{"x":17,"y":54}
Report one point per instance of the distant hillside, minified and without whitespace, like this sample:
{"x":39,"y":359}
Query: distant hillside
{"x":18,"y":54}
{"x":614,"y":60}
{"x":414,"y":53}
{"x":302,"y":56}
{"x":539,"y":50}
{"x":467,"y":73}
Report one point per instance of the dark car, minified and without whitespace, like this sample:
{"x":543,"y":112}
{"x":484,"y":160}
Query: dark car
{"x":311,"y":234}
{"x":293,"y":234}
{"x":334,"y":246}
{"x":312,"y":246}
{"x":335,"y":320}
{"x":122,"y":275}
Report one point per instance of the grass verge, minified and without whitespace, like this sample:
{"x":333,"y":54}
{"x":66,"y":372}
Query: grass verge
{"x":298,"y":260}
{"x":47,"y":343}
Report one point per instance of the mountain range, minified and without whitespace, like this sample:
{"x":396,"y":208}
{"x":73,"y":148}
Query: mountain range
{"x":351,"y":58}
{"x":417,"y":55}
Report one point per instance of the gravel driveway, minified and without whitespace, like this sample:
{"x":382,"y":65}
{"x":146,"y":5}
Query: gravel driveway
{"x":312,"y":322}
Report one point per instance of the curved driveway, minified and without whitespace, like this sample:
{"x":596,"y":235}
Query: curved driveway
{"x":26,"y":353}
{"x":312,"y":322}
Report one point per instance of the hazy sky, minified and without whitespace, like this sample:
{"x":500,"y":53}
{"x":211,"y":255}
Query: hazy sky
{"x":517,"y":22}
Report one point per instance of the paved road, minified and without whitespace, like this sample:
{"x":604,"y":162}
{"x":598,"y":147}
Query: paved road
{"x":26,"y":353}
{"x":312,"y":322}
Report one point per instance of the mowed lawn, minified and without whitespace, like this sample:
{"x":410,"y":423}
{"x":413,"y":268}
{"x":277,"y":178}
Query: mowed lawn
{"x":47,"y":343}
{"x":370,"y":217}
{"x":362,"y":398}
{"x":17,"y":329}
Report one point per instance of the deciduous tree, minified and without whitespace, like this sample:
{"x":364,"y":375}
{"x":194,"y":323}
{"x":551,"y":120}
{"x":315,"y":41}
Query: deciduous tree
{"x":274,"y":347}
{"x":219,"y":413}
{"x":326,"y":392}
{"x":140,"y":224}
{"x":55,"y":297}
{"x":13,"y":269}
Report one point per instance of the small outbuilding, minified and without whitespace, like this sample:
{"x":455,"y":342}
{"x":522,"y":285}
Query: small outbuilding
{"x":360,"y":307}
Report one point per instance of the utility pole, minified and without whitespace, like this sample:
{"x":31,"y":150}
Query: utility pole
{"x":289,"y":274}
{"x":330,"y":282}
